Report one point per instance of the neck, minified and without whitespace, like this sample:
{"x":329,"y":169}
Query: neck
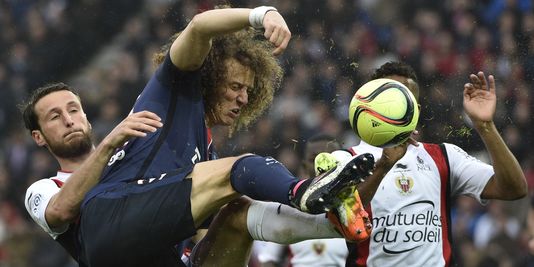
{"x":72,"y":164}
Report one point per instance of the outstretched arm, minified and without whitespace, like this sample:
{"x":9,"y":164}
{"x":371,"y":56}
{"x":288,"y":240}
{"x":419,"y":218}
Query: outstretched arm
{"x":64,"y":207}
{"x":191,"y":47}
{"x":509,"y":182}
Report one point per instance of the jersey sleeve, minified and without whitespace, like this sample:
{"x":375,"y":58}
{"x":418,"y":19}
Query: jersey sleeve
{"x":37,"y":197}
{"x":187,"y":83}
{"x":270,"y":252}
{"x":469,"y":175}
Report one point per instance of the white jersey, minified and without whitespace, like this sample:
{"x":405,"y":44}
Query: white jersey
{"x":411,"y":208}
{"x":38,"y":196}
{"x":316,"y":252}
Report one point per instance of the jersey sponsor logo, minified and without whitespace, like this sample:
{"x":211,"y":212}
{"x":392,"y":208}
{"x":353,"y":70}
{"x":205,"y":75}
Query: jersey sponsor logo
{"x":118,"y":156}
{"x":463,"y":153}
{"x":411,"y":227}
{"x":421,"y":165}
{"x":404,"y":184}
{"x":35,"y":202}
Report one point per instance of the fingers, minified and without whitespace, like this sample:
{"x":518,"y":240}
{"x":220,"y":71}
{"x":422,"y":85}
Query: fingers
{"x":491,"y":79}
{"x":276,"y":31}
{"x":138,"y":124}
{"x":279,"y":37}
{"x":479,"y":81}
{"x":412,"y":141}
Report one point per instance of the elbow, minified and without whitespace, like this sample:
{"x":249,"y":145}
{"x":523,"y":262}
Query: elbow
{"x":520,"y":191}
{"x":59,"y":215}
{"x":196,"y":25}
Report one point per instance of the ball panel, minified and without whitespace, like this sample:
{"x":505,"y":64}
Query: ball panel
{"x":383,"y":112}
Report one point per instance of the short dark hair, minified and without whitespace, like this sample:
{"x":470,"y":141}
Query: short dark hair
{"x":395,"y":68}
{"x":27,"y":108}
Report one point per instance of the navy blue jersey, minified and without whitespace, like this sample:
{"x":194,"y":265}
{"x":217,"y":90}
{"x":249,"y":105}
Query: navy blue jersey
{"x":182,"y":141}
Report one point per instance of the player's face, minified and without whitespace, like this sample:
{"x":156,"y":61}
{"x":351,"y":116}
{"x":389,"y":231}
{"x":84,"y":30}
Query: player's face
{"x":232,"y":93}
{"x":64,"y":126}
{"x":411,"y":84}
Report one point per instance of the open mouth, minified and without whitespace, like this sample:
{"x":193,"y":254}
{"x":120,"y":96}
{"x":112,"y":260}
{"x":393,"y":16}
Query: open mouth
{"x":236,"y":111}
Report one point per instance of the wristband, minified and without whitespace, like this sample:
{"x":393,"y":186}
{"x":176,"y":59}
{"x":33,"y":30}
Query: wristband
{"x":257,"y":14}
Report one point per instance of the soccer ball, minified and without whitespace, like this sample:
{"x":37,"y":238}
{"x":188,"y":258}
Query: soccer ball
{"x":383,"y":113}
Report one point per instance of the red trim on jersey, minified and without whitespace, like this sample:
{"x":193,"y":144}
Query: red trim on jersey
{"x":58,"y":182}
{"x":437,"y":155}
{"x":351,"y":150}
{"x":290,"y":256}
{"x":209,"y":142}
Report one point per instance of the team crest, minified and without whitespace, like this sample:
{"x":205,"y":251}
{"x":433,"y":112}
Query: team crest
{"x":318,"y":247}
{"x":404,"y":184}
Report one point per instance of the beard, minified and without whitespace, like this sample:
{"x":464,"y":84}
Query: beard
{"x":75,"y":148}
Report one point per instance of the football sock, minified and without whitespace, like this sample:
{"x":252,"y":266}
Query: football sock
{"x":274,"y":222}
{"x":262,"y":178}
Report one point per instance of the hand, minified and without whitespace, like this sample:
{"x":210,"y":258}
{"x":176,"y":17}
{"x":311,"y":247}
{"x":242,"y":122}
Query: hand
{"x":276,"y":31}
{"x":135,"y":125}
{"x":390,"y":155}
{"x":479,"y":98}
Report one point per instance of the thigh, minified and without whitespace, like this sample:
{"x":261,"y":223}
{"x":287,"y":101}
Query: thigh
{"x":227,"y":242}
{"x":211,"y":187}
{"x":142,"y":225}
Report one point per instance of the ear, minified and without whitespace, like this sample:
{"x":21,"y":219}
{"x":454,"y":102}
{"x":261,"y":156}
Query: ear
{"x":38,"y":137}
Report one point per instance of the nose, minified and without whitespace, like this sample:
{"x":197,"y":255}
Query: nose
{"x":242,"y":97}
{"x":67,"y":119}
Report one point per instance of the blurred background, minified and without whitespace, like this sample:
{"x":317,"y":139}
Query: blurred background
{"x":104,"y":48}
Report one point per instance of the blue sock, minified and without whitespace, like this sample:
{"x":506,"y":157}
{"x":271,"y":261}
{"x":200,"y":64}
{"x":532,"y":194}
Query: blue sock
{"x":262,"y":178}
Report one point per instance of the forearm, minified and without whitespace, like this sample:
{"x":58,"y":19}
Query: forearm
{"x":368,"y":188}
{"x":64,"y":207}
{"x":509,"y":180}
{"x":220,"y":21}
{"x":191,"y":47}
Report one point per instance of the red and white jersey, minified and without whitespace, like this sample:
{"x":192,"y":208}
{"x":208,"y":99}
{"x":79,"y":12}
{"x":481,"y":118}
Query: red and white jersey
{"x":316,"y":252}
{"x":38,"y":196}
{"x":411,"y":208}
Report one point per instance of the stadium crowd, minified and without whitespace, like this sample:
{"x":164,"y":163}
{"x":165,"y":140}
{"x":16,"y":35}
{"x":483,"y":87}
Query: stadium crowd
{"x":104,"y":49}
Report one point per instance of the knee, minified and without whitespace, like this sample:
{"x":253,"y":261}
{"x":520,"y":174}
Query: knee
{"x":234,"y":214}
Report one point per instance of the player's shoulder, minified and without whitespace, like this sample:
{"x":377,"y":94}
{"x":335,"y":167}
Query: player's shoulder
{"x":46,"y":184}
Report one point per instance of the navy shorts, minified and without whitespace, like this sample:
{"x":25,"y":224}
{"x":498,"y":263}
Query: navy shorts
{"x":138,"y":224}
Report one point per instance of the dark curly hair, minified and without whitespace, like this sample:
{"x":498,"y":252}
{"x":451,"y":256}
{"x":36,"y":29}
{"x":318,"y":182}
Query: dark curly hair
{"x":249,"y":48}
{"x":392,"y":68}
{"x":395,"y":68}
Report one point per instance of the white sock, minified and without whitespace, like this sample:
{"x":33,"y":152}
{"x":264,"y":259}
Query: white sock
{"x":282,"y":224}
